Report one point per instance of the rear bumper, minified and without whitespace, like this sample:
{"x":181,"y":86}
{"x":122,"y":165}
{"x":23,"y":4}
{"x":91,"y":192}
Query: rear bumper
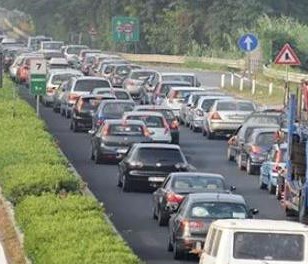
{"x":84,"y":122}
{"x":223,"y":126}
{"x":147,"y":178}
{"x":197,"y":123}
{"x":190,"y":243}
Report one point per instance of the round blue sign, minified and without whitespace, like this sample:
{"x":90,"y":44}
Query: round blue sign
{"x":248,"y":42}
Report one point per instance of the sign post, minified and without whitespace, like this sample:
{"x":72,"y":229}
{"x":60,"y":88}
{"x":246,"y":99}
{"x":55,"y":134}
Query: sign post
{"x":287,"y":56}
{"x":248,"y":43}
{"x":38,"y":80}
{"x":1,"y":69}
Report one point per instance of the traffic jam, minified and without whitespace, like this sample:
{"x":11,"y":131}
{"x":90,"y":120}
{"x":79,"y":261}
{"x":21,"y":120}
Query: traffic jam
{"x":134,"y":116}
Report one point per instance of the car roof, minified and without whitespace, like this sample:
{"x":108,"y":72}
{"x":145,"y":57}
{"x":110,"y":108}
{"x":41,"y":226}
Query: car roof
{"x":143,"y":70}
{"x":202,"y":174}
{"x":90,"y":78}
{"x":254,"y":225}
{"x":126,"y":122}
{"x":99,"y":96}
{"x":178,"y":73}
{"x":176,"y":82}
{"x":110,"y":89}
{"x":142,"y":113}
{"x":58,"y":61}
{"x":204,"y":97}
{"x":117,"y":101}
{"x":179,"y":88}
{"x":264,"y":130}
{"x":64,"y":71}
{"x":217,"y":197}
{"x":157,"y":145}
{"x":152,"y":107}
{"x":232,"y":99}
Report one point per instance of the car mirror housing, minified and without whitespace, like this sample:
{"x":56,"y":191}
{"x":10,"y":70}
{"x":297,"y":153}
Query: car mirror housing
{"x":232,"y":188}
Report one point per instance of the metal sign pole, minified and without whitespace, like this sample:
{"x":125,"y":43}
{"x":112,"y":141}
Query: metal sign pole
{"x":1,"y":69}
{"x":38,"y":105}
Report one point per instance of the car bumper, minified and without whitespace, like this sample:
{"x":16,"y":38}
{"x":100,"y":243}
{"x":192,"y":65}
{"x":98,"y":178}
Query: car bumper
{"x":223,"y":126}
{"x":147,"y":178}
{"x":113,"y":153}
{"x":189,"y":244}
{"x":84,"y":122}
{"x":197,"y":123}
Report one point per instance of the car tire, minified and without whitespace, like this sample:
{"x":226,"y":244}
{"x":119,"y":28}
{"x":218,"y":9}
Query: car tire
{"x":249,"y":169}
{"x":119,"y":184}
{"x":154,"y":214}
{"x":271,"y":188}
{"x":67,"y":114}
{"x":161,"y":218}
{"x":302,"y":211}
{"x":194,"y":129}
{"x":178,"y":254}
{"x":92,"y":153}
{"x":239,"y":162}
{"x":97,"y":157}
{"x":62,"y":112}
{"x":75,"y":127}
{"x":289,"y":212}
{"x":229,"y":156}
{"x":203,"y":132}
{"x":210,"y":135}
{"x":279,"y":191}
{"x":126,"y":185}
{"x":262,"y":185}
{"x":170,"y":246}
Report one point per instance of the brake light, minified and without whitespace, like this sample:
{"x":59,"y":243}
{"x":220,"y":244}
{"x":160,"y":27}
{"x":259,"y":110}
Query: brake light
{"x":73,"y":97}
{"x":189,"y":226}
{"x":130,"y":82}
{"x":255,"y":149}
{"x":136,"y":164}
{"x":106,"y":130}
{"x":276,"y":168}
{"x":174,"y":198}
{"x":215,"y":116}
{"x":199,"y":113}
{"x":174,"y":124}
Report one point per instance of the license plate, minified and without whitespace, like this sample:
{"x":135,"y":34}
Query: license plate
{"x":122,"y":151}
{"x":156,"y":179}
{"x":198,"y":246}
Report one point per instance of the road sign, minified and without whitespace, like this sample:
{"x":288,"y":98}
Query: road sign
{"x":125,"y":29}
{"x":248,"y":42}
{"x":38,"y":66}
{"x":38,"y":84}
{"x":287,"y":56}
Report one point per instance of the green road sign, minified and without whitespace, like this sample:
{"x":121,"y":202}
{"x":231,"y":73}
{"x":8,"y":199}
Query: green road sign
{"x":38,"y":84}
{"x":125,"y":29}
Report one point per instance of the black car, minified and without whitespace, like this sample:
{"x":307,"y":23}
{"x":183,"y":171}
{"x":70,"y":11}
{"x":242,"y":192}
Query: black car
{"x":114,"y":138}
{"x":168,"y":115}
{"x":177,"y":185}
{"x":189,"y":226}
{"x":84,"y":109}
{"x":147,"y":165}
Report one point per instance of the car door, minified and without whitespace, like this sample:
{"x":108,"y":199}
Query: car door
{"x":176,"y":219}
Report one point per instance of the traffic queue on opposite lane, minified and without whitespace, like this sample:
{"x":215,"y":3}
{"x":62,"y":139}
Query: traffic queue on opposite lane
{"x":132,"y":115}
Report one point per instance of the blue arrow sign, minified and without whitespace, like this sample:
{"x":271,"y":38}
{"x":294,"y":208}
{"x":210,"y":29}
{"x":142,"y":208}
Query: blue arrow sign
{"x":248,"y":42}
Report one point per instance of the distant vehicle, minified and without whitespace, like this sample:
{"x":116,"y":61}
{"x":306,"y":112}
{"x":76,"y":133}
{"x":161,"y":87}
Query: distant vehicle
{"x":84,"y":52}
{"x":269,"y":171}
{"x":111,"y":109}
{"x":190,"y":225}
{"x":70,"y":52}
{"x":78,"y":86}
{"x":34,"y":43}
{"x":120,"y":73}
{"x":147,"y":165}
{"x":57,"y":63}
{"x":254,"y":152}
{"x":117,"y":92}
{"x":54,"y":79}
{"x":169,"y":116}
{"x":265,"y":117}
{"x":114,"y":138}
{"x":177,"y":185}
{"x":255,"y":241}
{"x":51,"y":46}
{"x":226,"y":116}
{"x":155,"y":122}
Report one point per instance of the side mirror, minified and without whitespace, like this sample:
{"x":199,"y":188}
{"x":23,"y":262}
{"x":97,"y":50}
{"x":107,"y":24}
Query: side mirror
{"x":91,"y":132}
{"x":188,"y":158}
{"x":253,"y":212}
{"x":232,"y":188}
{"x":198,"y":84}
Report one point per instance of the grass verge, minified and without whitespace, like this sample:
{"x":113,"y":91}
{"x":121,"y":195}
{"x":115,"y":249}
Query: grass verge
{"x":60,"y":225}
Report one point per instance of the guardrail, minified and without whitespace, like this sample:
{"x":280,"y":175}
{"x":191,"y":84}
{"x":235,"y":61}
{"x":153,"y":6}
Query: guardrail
{"x":281,"y":75}
{"x":172,"y":59}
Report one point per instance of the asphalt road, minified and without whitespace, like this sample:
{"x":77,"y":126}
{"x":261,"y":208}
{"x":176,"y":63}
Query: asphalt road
{"x":131,"y":212}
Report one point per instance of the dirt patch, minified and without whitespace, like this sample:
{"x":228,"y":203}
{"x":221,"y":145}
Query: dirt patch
{"x":9,"y":239}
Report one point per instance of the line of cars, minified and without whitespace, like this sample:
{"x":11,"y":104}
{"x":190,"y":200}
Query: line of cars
{"x":133,"y":121}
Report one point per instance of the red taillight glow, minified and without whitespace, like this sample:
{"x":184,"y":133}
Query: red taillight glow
{"x":255,"y":149}
{"x":146,"y":132}
{"x":106,"y":130}
{"x":73,"y":97}
{"x":189,"y":226}
{"x":174,"y":198}
{"x":215,"y":116}
{"x":276,"y":168}
{"x":99,"y":122}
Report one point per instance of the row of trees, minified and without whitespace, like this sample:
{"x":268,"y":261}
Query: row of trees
{"x":198,"y":27}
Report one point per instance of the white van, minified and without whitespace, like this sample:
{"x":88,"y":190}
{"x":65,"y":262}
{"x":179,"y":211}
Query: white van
{"x":251,"y":241}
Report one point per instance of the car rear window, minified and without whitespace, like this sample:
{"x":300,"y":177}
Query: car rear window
{"x":74,"y":50}
{"x":126,"y":130}
{"x":263,"y":120}
{"x":168,"y":114}
{"x":207,"y":104}
{"x":117,"y":108}
{"x":217,"y":210}
{"x":121,"y":95}
{"x":150,"y":121}
{"x":180,"y":94}
{"x":141,"y":75}
{"x":267,"y":138}
{"x":52,"y":46}
{"x":88,"y":103}
{"x":60,"y":78}
{"x":159,"y":155}
{"x":181,"y":78}
{"x":268,"y":246}
{"x":235,"y":106}
{"x":89,"y":85}
{"x":122,"y":70}
{"x":197,"y":183}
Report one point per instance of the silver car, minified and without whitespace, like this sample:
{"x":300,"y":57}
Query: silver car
{"x":226,"y":116}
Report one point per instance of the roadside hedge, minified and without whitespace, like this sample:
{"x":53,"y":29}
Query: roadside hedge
{"x":60,"y":225}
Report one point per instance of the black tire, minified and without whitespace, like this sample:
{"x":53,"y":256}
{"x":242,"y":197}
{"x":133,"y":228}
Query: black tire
{"x":229,"y":156}
{"x":154,"y":215}
{"x":262,"y":185}
{"x":170,"y":246}
{"x":119,"y":184}
{"x":289,"y":212}
{"x":303,"y":211}
{"x":203,"y":132}
{"x":249,"y":167}
{"x":97,"y":157}
{"x":67,"y":114}
{"x":62,"y":112}
{"x":162,"y":218}
{"x":194,"y":129}
{"x":271,"y":189}
{"x":178,"y":254}
{"x":75,"y":127}
{"x":126,"y":185}
{"x":92,"y":154}
{"x":210,"y":135}
{"x":239,"y":162}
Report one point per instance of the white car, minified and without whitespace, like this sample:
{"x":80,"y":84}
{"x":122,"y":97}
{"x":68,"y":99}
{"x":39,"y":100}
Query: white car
{"x":156,"y":123}
{"x":254,"y":241}
{"x":176,"y":97}
{"x":70,"y":52}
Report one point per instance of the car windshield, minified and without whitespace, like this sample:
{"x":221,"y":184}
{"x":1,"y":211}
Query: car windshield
{"x":117,"y":108}
{"x":150,"y":121}
{"x":52,"y":46}
{"x":60,"y":78}
{"x":122,"y":70}
{"x":141,"y":75}
{"x":181,"y":94}
{"x":264,"y":139}
{"x":181,"y":78}
{"x":168,"y":114}
{"x":197,"y":183}
{"x":88,"y":103}
{"x":126,"y":130}
{"x":159,"y":155}
{"x":74,"y":50}
{"x":235,"y":106}
{"x":217,"y":210}
{"x":268,"y":246}
{"x":89,"y":85}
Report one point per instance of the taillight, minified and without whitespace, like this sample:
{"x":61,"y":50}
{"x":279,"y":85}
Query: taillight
{"x":276,"y":168}
{"x":199,"y":112}
{"x":136,"y":164}
{"x":174,"y":124}
{"x":189,"y":226}
{"x":106,"y":130}
{"x":255,"y":149}
{"x":215,"y":116}
{"x":130,"y":82}
{"x":73,"y":97}
{"x":174,"y":198}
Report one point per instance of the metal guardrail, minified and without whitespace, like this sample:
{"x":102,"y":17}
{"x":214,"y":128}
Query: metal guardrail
{"x":281,"y":75}
{"x":172,"y":59}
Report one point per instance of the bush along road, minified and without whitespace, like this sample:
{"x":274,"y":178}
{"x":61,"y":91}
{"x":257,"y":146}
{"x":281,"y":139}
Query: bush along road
{"x":60,"y":224}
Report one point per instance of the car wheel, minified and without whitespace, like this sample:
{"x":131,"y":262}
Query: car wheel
{"x":75,"y":126}
{"x":178,"y":254}
{"x":181,"y":121}
{"x":262,"y":185}
{"x":271,"y":188}
{"x":154,"y":213}
{"x":279,"y":191}
{"x":203,"y":132}
{"x":302,"y":211}
{"x":194,"y":129}
{"x":162,"y":219}
{"x":126,"y":186}
{"x":119,"y":181}
{"x":67,"y":114}
{"x":229,"y":156}
{"x":249,"y":168}
{"x":170,"y":247}
{"x":239,"y":162}
{"x":62,"y":112}
{"x":289,"y":212}
{"x":92,"y":153}
{"x":210,"y":135}
{"x":97,"y":157}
